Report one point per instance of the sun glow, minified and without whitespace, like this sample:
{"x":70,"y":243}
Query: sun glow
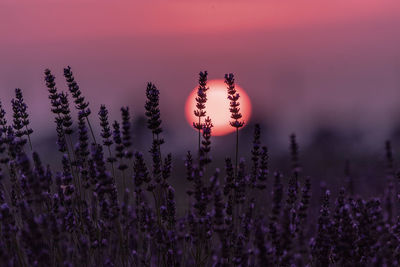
{"x":217,"y":107}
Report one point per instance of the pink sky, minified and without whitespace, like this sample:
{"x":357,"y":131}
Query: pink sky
{"x":50,"y":20}
{"x":301,"y":61}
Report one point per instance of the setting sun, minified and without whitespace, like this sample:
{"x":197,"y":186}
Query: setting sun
{"x":217,"y":107}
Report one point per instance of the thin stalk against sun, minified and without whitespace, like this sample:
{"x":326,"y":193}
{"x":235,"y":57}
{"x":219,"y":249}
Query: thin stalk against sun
{"x":201,"y":100}
{"x":217,"y":107}
{"x":234,"y":104}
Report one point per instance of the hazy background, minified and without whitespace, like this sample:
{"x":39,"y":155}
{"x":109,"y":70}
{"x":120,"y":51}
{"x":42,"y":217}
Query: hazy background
{"x":309,"y":66}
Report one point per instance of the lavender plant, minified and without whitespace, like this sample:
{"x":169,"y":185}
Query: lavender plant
{"x":75,"y":213}
{"x":233,"y":97}
{"x":21,"y":117}
{"x":201,"y":100}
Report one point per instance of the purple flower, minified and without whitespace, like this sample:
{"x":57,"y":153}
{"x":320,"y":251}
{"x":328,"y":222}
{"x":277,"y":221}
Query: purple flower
{"x":21,"y":117}
{"x":233,"y":97}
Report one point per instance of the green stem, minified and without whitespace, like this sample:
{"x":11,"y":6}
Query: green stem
{"x":91,"y":130}
{"x":199,"y":135}
{"x":29,"y":138}
{"x":237,"y":151}
{"x":78,"y":185}
{"x":112,"y":163}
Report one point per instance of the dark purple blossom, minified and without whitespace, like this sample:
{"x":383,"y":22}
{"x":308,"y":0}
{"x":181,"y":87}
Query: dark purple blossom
{"x":21,"y":117}
{"x":71,"y":213}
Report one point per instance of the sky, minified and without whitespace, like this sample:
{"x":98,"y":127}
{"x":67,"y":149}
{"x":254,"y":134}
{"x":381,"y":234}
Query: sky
{"x":304,"y":63}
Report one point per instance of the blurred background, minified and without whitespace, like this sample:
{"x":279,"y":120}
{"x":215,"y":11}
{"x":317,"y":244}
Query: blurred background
{"x":327,"y":71}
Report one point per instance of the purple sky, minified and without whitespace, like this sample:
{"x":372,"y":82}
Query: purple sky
{"x":303,"y":63}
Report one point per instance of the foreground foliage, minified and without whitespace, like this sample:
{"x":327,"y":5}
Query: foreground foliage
{"x":107,"y":207}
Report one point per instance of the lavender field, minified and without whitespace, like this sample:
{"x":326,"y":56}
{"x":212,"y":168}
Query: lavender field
{"x":107,"y":204}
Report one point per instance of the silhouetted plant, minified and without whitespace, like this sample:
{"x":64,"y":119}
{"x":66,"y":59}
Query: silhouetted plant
{"x":126,"y":132}
{"x":21,"y":117}
{"x":73,"y":214}
{"x":201,"y":100}
{"x":80,"y":103}
{"x":233,"y":97}
{"x":3,"y":121}
{"x":206,"y":143}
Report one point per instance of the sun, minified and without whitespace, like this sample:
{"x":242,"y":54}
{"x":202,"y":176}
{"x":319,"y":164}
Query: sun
{"x":217,"y":107}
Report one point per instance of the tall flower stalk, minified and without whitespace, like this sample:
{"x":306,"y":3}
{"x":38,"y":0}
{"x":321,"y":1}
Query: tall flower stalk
{"x":21,"y":117}
{"x":106,"y":134}
{"x":201,"y":100}
{"x":81,"y":104}
{"x":3,"y":137}
{"x":234,"y":108}
{"x":3,"y":120}
{"x":60,"y":108}
{"x":206,"y":143}
{"x":152,"y":112}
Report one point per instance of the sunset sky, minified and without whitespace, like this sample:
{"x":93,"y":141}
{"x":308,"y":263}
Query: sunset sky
{"x":303,"y":63}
